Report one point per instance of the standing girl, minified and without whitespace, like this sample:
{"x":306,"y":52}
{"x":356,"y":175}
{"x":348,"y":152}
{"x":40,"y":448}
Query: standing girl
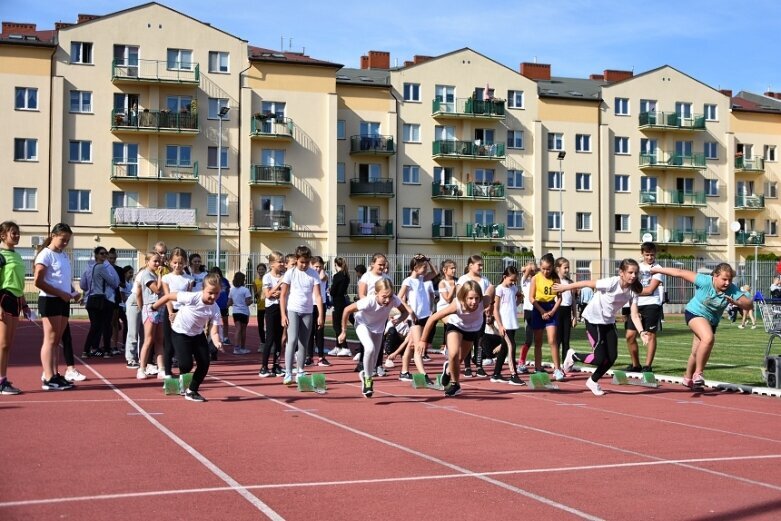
{"x":151,"y":287}
{"x":366,"y":282}
{"x":175,"y":281}
{"x":610,"y":294}
{"x":12,"y":302}
{"x":317,"y":335}
{"x":415,"y":297}
{"x":567,"y":316}
{"x":260,"y":271}
{"x":526,"y":280}
{"x":474,"y":272}
{"x":270,"y":288}
{"x":195,"y":269}
{"x":339,"y":284}
{"x":506,"y":320}
{"x":240,"y":298}
{"x":545,"y":303}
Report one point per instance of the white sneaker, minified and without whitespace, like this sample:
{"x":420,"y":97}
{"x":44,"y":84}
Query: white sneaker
{"x":389,"y":363}
{"x":488,"y":361}
{"x":569,"y":361}
{"x":161,"y":375}
{"x":334,"y":352}
{"x":380,"y":371}
{"x":558,"y":375}
{"x":357,"y":357}
{"x":240,"y":351}
{"x":299,"y":375}
{"x":151,"y":370}
{"x":141,"y":375}
{"x":288,"y":379}
{"x":594,"y":386}
{"x":73,"y":375}
{"x":344,"y":351}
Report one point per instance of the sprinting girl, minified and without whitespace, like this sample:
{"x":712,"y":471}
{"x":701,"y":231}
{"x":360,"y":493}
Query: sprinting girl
{"x":567,"y":315}
{"x":12,"y":301}
{"x":366,"y":282}
{"x":526,"y":280}
{"x":271,"y":285}
{"x":260,"y":271}
{"x":300,"y":288}
{"x":196,"y":309}
{"x":339,"y":284}
{"x":240,"y":299}
{"x":712,"y":294}
{"x":474,"y":272}
{"x":545,"y":303}
{"x":610,"y":295}
{"x":195,"y":270}
{"x":53,"y":278}
{"x":173,"y":282}
{"x":416,"y":299}
{"x":371,"y":314}
{"x":465,"y":319}
{"x":506,"y":321}
{"x":446,"y":287}
{"x":151,"y":287}
{"x":317,"y":335}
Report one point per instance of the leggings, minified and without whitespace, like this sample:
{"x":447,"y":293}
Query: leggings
{"x":372,"y":346}
{"x":512,"y":349}
{"x":489,"y":342}
{"x":604,"y":341}
{"x":273,"y":335}
{"x":316,"y":337}
{"x":336,"y":319}
{"x":189,"y":347}
{"x":135,"y":329}
{"x":262,"y":325}
{"x":67,"y":346}
{"x":564,"y":321}
{"x":99,"y":322}
{"x":168,"y":344}
{"x":298,"y":328}
{"x":527,"y":316}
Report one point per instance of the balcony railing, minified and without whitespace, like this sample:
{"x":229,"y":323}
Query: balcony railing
{"x":154,"y":171}
{"x":155,"y":71}
{"x":469,"y":108}
{"x":749,"y":164}
{"x":268,"y":126}
{"x":280,"y":175}
{"x":684,"y":237}
{"x":672,"y":198}
{"x":749,"y":202}
{"x":467,"y":150}
{"x":671,"y":121}
{"x":672,"y":161}
{"x":273,"y":220}
{"x":654,"y":235}
{"x":750,"y":238}
{"x":137,"y":217}
{"x":470,"y":191}
{"x":372,"y":145}
{"x":468,"y":231}
{"x":381,"y":187}
{"x":154,"y":121}
{"x":380,"y":229}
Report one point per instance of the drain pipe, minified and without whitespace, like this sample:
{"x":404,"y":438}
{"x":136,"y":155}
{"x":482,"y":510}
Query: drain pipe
{"x":396,"y":179}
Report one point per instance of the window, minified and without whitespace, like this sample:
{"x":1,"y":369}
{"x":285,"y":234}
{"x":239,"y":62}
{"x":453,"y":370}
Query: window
{"x":712,"y":225}
{"x":622,"y":106}
{"x":177,"y":104}
{"x":341,"y":133}
{"x":684,"y":110}
{"x":410,"y":217}
{"x":412,"y":92}
{"x":80,"y":152}
{"x":180,"y":60}
{"x":621,"y":183}
{"x":582,"y":142}
{"x":81,"y":101}
{"x":711,"y":150}
{"x":583,"y":182}
{"x":219,"y":62}
{"x":771,"y":227}
{"x":484,"y":136}
{"x":178,"y":200}
{"x":410,"y":175}
{"x":555,"y":141}
{"x":340,"y":214}
{"x":770,"y":152}
{"x":711,"y":112}
{"x":647,"y":105}
{"x":25,"y":149}
{"x":211,"y":204}
{"x":621,"y":145}
{"x":648,"y":185}
{"x":485,"y":217}
{"x":622,"y":222}
{"x":648,"y":146}
{"x":25,"y":199}
{"x":178,"y":155}
{"x":443,"y":175}
{"x":369,"y":172}
{"x":515,"y":219}
{"x":445,"y":94}
{"x":124,"y":199}
{"x":771,"y":189}
{"x":582,"y":270}
{"x":712,"y":187}
{"x":555,"y":180}
{"x":648,"y":223}
{"x":583,"y":221}
{"x":515,"y":139}
{"x":275,"y":109}
{"x":78,"y":200}
{"x":484,"y":176}
{"x":215,"y":104}
{"x":212,"y":159}
{"x":515,"y":99}
{"x":554,"y":221}
{"x":272,"y":157}
{"x":81,"y":52}
{"x":515,"y":179}
{"x":411,"y":133}
{"x":126,"y":57}
{"x":340,"y":172}
{"x":125,"y":159}
{"x":26,"y":98}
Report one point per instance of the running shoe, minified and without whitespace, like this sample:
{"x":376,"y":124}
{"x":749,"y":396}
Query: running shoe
{"x":151,"y":370}
{"x":445,"y":379}
{"x":406,"y":377}
{"x":358,"y":367}
{"x":488,"y":361}
{"x":62,"y":381}
{"x":367,"y":384}
{"x":521,"y":368}
{"x":277,"y":370}
{"x":53,"y":385}
{"x":73,"y":375}
{"x":594,"y":386}
{"x":107,"y":354}
{"x":324,"y":363}
{"x":356,"y":357}
{"x":8,"y":389}
{"x":194,"y":396}
{"x":428,"y":381}
{"x":264,"y":373}
{"x":648,"y":369}
{"x":499,"y":379}
{"x":389,"y":363}
{"x":687,"y":382}
{"x":426,"y":358}
{"x":453,"y":389}
{"x":559,"y":375}
{"x":468,"y":373}
{"x":633,"y":369}
{"x":481,"y":373}
{"x":516,"y":380}
{"x":334,"y":352}
{"x":132,"y":364}
{"x":381,"y":371}
{"x":288,"y":379}
{"x":141,"y":374}
{"x":698,"y":382}
{"x":308,"y":362}
{"x":344,"y":351}
{"x":569,"y":361}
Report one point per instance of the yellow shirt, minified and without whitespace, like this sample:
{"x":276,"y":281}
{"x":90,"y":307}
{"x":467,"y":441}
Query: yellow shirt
{"x":543,"y":289}
{"x":261,"y":300}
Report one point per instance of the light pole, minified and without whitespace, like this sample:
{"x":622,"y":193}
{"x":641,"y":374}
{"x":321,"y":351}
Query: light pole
{"x":755,"y":239}
{"x":223,"y":112}
{"x":560,"y":157}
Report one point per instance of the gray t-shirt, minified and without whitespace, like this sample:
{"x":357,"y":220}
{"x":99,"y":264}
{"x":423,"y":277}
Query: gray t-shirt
{"x":149,"y":296}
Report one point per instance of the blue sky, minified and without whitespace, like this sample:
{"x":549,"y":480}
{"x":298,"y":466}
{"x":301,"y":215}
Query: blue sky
{"x":724,"y":44}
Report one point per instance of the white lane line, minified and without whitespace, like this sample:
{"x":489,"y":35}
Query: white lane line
{"x":401,"y":479}
{"x":422,"y":455}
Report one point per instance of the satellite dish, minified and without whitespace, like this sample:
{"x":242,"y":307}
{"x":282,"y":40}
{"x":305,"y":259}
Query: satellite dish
{"x":647,"y":237}
{"x":735,"y":226}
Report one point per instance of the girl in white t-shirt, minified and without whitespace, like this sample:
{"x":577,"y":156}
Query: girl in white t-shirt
{"x":371,"y":314}
{"x":610,"y":294}
{"x":446,"y":288}
{"x":271,"y":285}
{"x":527,"y":274}
{"x":567,"y":314}
{"x":474,"y":272}
{"x":196,"y":310}
{"x":240,"y":297}
{"x":377,"y":269}
{"x":414,"y":295}
{"x":196,"y":271}
{"x":506,"y":320}
{"x":175,"y":281}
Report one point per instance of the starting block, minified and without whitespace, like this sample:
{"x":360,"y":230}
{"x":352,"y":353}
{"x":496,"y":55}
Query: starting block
{"x":541,"y":381}
{"x":173,"y":385}
{"x":646,"y":380}
{"x":312,"y":384}
{"x":419,"y":382}
{"x":318,"y":382}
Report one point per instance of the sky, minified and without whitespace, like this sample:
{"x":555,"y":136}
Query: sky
{"x":724,"y":44}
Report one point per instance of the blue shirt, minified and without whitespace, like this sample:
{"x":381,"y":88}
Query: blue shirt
{"x":222,"y":298}
{"x":707,"y":302}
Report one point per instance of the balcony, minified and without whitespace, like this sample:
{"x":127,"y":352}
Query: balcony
{"x":671,"y":122}
{"x":380,"y":187}
{"x":270,"y":127}
{"x":654,"y":235}
{"x":684,"y":237}
{"x":447,"y":149}
{"x":750,"y":239}
{"x":672,"y":199}
{"x":372,"y":145}
{"x":749,"y":165}
{"x":672,"y":162}
{"x":137,"y":217}
{"x":749,"y":202}
{"x":467,"y":232}
{"x":271,"y":175}
{"x":469,"y":191}
{"x":153,"y":171}
{"x":468,"y":108}
{"x":271,"y":220}
{"x":155,"y":122}
{"x":154,"y":71}
{"x":371,"y":230}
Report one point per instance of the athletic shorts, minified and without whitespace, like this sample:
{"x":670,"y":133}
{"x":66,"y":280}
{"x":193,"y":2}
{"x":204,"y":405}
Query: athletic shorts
{"x":688,"y":316}
{"x":538,"y":322}
{"x":650,"y":316}
{"x":10,"y":303}
{"x":241,"y":318}
{"x":150,"y":315}
{"x":53,"y":307}
{"x":422,"y":323}
{"x":224,"y":313}
{"x":471,"y":336}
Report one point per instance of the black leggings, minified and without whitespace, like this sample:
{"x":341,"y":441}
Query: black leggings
{"x":527,"y":317}
{"x":316,"y":337}
{"x":273,"y":335}
{"x":99,"y":328}
{"x":605,"y":341}
{"x":67,"y":346}
{"x":168,"y":344}
{"x":262,"y":325}
{"x":488,"y":343}
{"x":189,"y":347}
{"x":564,"y":328}
{"x":336,"y":319}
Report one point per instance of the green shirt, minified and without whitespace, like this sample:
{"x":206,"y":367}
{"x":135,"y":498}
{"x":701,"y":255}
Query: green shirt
{"x":12,"y":274}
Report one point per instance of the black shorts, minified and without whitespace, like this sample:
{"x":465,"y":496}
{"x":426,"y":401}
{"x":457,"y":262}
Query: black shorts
{"x":10,"y":303}
{"x":241,"y":318}
{"x":650,"y":316}
{"x":422,"y":323}
{"x":688,"y":316}
{"x":471,"y":336}
{"x":224,"y":312}
{"x":53,"y":307}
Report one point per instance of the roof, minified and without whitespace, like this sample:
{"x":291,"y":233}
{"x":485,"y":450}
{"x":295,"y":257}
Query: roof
{"x":28,"y":37}
{"x":363,"y":77}
{"x":571,"y":88}
{"x":750,"y":102}
{"x":294,"y":58}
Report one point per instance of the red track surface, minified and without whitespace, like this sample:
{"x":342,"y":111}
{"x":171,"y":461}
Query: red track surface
{"x":116,"y":447}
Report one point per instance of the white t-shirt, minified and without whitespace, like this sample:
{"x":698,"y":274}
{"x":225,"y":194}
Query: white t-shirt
{"x":194,"y":314}
{"x":372,"y":315}
{"x":198,"y":280}
{"x":442,"y":303}
{"x":566,"y":296}
{"x":370,"y":279}
{"x":465,"y":320}
{"x":239,"y":297}
{"x":177,"y":283}
{"x":526,"y":285}
{"x":58,"y":270}
{"x":417,"y":296}
{"x":269,"y":282}
{"x":608,"y":298}
{"x":646,"y":277}
{"x":300,"y":298}
{"x":484,"y":282}
{"x":507,"y":305}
